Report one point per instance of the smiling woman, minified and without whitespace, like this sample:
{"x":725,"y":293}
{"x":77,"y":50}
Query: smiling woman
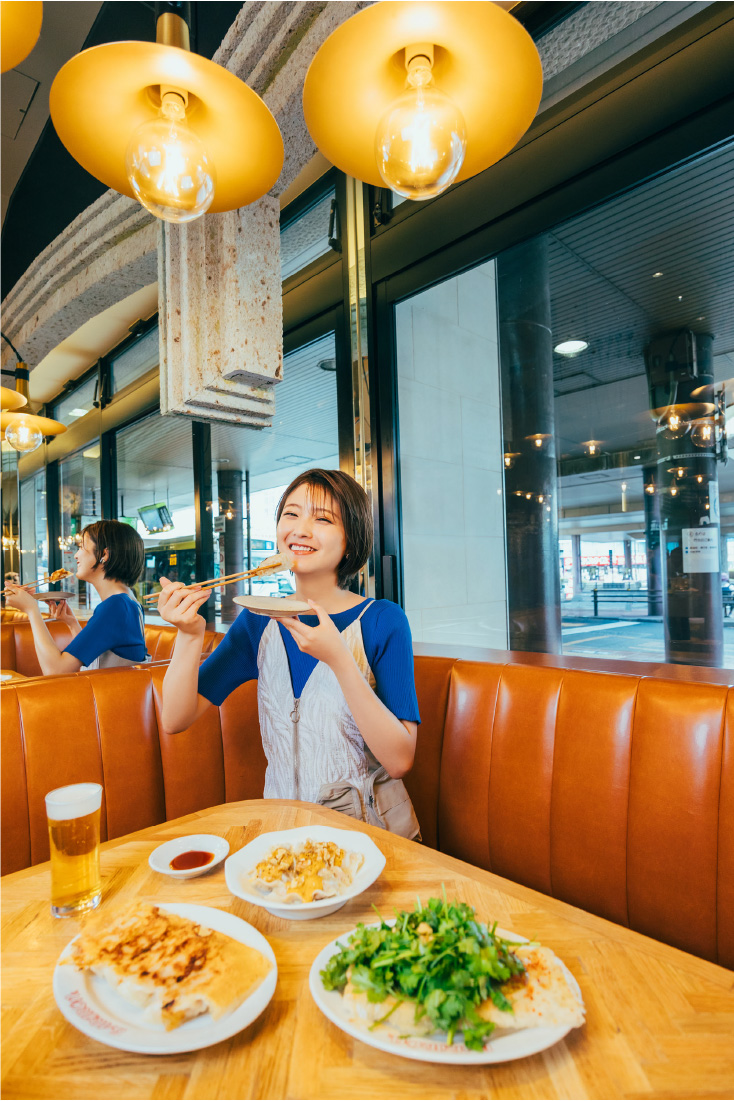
{"x":336,"y":692}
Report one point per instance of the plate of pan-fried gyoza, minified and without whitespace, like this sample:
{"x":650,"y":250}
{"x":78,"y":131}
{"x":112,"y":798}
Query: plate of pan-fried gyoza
{"x":160,"y":979}
{"x":438,"y":985}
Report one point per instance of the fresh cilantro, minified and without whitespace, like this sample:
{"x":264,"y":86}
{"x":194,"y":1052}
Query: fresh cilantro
{"x":439,"y":958}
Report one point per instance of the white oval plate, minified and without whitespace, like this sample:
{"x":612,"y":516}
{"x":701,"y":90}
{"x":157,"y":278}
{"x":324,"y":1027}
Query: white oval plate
{"x":504,"y":1045}
{"x":95,"y":1009}
{"x":52,"y":597}
{"x":282,"y":607}
{"x":160,"y":859}
{"x":238,"y":867}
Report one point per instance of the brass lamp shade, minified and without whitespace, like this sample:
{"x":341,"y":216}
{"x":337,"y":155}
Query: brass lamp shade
{"x":484,"y":60}
{"x":44,"y":425}
{"x":101,"y":96}
{"x":20,"y":26}
{"x":11,"y":399}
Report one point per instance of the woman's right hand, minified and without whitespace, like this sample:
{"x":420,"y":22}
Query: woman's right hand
{"x":179,"y":606}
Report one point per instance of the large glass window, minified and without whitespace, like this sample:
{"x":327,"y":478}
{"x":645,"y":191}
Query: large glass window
{"x":77,"y":403}
{"x":451,"y":462}
{"x":138,"y":358}
{"x":155,"y":495}
{"x":33,"y":528}
{"x":79,"y":488}
{"x":252,"y":467}
{"x":617,"y":352}
{"x":306,"y":238}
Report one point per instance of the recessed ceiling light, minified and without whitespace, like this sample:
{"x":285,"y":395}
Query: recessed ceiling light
{"x":636,"y":456}
{"x":78,"y":412}
{"x":656,"y":274}
{"x":571,"y":348}
{"x":680,"y":297}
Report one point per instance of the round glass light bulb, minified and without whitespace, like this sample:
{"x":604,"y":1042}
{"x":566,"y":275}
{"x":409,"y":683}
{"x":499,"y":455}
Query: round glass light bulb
{"x":704,"y":434}
{"x":421,"y":139}
{"x":168,"y":167}
{"x":673,"y":424}
{"x":23,"y":435}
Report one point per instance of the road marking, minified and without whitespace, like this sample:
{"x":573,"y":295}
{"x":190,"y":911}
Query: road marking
{"x":600,"y":627}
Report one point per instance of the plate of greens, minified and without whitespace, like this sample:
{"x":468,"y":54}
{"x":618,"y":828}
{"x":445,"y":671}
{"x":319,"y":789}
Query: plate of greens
{"x":437,"y":985}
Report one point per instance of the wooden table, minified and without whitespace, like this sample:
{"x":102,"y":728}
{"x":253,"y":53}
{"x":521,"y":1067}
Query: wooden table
{"x":660,"y":1022}
{"x":13,"y":676}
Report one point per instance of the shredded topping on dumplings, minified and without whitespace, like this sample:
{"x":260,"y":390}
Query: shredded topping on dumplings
{"x":306,"y":872}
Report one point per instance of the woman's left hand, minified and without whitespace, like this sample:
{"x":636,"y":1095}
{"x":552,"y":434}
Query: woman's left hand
{"x":323,"y":642}
{"x":18,"y":597}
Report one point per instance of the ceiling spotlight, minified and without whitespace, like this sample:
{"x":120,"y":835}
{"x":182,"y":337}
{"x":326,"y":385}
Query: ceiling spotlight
{"x":637,"y":456}
{"x":657,"y":274}
{"x":571,"y":348}
{"x":399,"y":95}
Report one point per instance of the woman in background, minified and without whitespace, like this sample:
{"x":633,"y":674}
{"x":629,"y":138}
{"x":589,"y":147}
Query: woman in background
{"x":111,"y":559}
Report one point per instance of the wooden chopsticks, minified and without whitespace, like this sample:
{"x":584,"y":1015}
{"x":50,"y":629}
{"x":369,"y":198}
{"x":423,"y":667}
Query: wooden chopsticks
{"x":215,"y":582}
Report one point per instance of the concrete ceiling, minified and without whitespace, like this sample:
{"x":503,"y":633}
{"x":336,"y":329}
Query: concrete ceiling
{"x":25,"y":90}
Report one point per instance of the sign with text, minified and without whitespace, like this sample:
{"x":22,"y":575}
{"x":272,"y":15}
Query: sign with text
{"x":701,"y":550}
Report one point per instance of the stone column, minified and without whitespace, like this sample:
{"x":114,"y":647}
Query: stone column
{"x":652,"y":542}
{"x":526,"y":360}
{"x":229,"y":489}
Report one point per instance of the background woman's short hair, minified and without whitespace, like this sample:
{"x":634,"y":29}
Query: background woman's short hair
{"x":355,"y":512}
{"x":125,"y":550}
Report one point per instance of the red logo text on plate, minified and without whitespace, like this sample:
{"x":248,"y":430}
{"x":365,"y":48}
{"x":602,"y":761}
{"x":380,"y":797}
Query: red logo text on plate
{"x":83,"y":1010}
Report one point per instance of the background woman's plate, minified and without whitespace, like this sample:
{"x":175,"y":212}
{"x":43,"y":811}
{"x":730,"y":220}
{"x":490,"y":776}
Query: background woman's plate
{"x":280,"y":606}
{"x":238,"y":867}
{"x":503,"y":1046}
{"x":160,"y":859}
{"x":95,"y":1009}
{"x":54,"y":596}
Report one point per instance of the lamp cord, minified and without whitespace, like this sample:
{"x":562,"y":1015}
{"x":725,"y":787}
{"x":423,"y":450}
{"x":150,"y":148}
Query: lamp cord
{"x":19,"y":357}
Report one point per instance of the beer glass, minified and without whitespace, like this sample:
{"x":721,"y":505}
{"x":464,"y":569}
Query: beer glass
{"x":73,"y":831}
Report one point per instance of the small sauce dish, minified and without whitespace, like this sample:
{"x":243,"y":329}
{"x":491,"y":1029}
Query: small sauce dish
{"x":186,"y":857}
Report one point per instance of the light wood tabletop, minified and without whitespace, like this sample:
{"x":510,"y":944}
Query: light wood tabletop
{"x":660,"y":1023}
{"x":11,"y":676}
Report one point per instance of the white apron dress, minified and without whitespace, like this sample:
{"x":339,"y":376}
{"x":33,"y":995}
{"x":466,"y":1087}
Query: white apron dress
{"x":313,"y":740}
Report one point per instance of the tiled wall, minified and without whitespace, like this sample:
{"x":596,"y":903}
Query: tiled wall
{"x":451,"y":462}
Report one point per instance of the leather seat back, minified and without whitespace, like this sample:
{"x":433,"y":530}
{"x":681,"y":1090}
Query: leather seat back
{"x":19,"y":651}
{"x":613,"y":793}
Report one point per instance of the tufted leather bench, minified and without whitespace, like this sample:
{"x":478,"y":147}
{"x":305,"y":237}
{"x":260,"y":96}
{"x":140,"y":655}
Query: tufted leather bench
{"x":19,"y":653}
{"x":613,"y":793}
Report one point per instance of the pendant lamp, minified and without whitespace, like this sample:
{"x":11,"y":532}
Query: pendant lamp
{"x":416,"y":95}
{"x":20,"y":26}
{"x":11,"y":399}
{"x":24,"y":431}
{"x":166,"y":126}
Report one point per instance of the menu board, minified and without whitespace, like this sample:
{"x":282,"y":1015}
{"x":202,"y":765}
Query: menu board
{"x":701,"y":550}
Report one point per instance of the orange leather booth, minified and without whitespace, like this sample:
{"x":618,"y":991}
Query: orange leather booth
{"x":614,"y":793}
{"x":19,"y":653}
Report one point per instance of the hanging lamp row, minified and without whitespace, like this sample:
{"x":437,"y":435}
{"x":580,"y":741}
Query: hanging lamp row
{"x":409,"y":95}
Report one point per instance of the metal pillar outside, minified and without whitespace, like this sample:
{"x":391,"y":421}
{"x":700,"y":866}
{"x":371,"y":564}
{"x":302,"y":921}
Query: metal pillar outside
{"x":526,"y":360}
{"x":652,"y":542}
{"x":229,"y":488}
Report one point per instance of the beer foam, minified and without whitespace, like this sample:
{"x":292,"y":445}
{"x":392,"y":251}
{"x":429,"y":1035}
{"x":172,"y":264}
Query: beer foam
{"x":73,"y":801}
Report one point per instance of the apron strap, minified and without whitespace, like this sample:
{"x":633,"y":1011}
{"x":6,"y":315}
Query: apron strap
{"x":369,"y":602}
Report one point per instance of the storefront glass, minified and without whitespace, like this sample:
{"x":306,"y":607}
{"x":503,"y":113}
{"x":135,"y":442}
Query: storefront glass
{"x":155,"y":495}
{"x":79,"y":488}
{"x":33,"y":528}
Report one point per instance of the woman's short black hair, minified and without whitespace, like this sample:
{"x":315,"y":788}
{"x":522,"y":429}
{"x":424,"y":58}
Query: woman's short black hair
{"x":125,"y":550}
{"x":355,"y":513}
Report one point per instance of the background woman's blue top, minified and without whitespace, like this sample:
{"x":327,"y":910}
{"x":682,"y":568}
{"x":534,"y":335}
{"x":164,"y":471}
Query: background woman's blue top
{"x":115,"y":624}
{"x":387,"y":643}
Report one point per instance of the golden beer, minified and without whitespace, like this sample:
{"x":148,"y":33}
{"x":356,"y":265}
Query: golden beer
{"x":73,"y":829}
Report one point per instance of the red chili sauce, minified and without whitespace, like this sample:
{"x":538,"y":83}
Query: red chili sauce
{"x":184,"y":862}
